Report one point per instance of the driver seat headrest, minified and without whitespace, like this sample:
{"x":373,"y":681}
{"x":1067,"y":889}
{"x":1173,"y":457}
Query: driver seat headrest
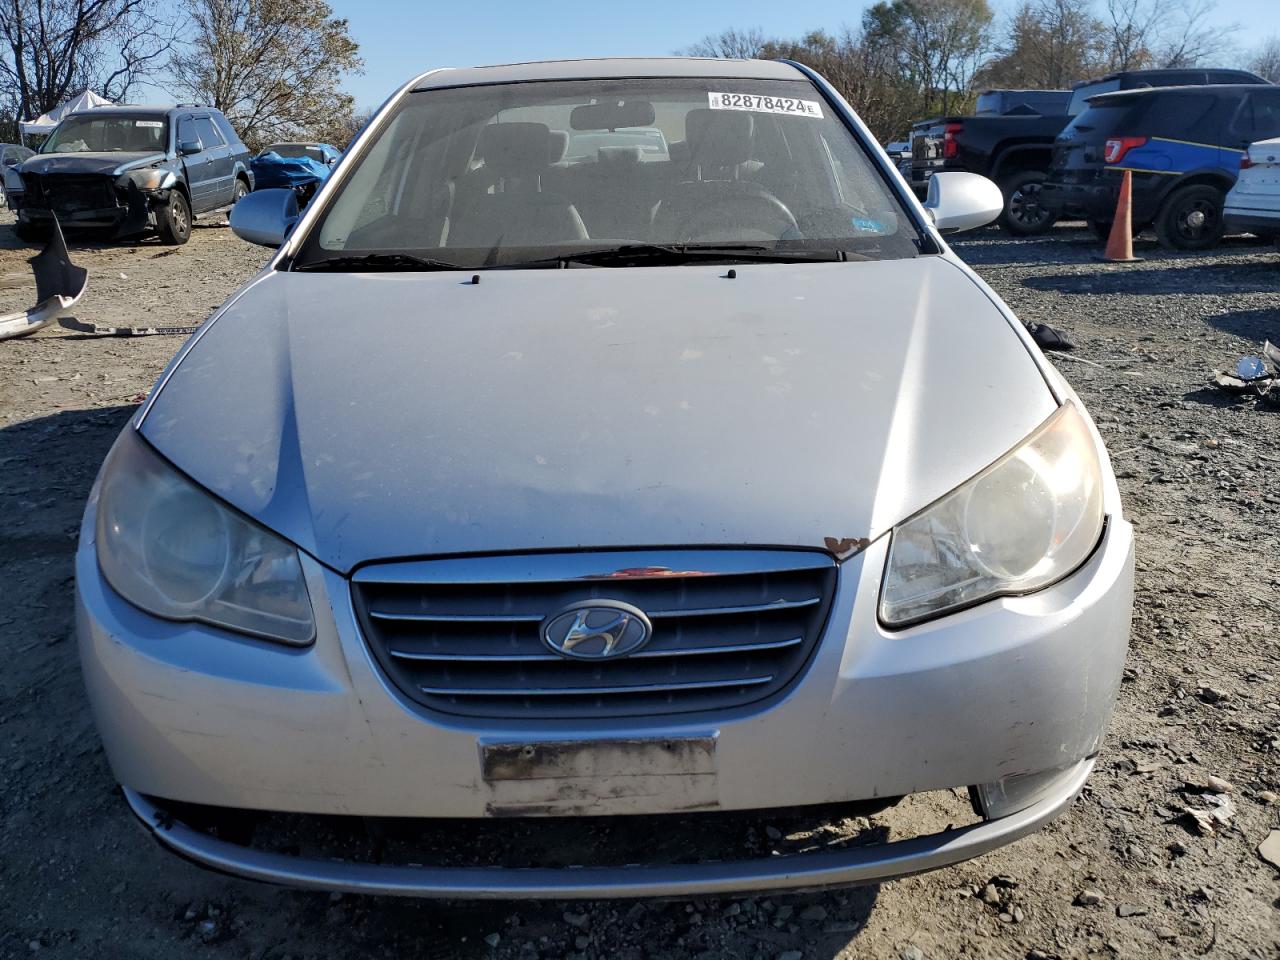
{"x":719,"y":138}
{"x":515,"y":149}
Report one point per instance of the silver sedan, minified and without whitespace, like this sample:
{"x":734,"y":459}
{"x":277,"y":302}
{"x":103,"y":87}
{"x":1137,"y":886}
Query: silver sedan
{"x":523,"y":486}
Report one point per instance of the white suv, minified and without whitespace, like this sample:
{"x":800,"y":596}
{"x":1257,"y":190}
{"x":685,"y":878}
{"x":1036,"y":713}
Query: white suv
{"x":1253,"y":205}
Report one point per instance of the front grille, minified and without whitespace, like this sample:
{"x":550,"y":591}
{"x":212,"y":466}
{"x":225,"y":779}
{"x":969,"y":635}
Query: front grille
{"x":463,"y":636}
{"x":65,"y":193}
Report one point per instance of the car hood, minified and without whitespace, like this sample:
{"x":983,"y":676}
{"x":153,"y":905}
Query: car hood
{"x":108,"y":164}
{"x":368,"y":416}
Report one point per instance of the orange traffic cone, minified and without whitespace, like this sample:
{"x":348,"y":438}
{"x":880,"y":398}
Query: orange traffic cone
{"x":1120,"y":243}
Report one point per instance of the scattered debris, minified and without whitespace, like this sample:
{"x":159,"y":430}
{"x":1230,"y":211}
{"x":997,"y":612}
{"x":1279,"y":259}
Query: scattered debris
{"x":1088,"y":898}
{"x":1214,"y":817}
{"x":1124,"y":910}
{"x":1269,"y":849}
{"x":59,"y":286}
{"x":81,"y":326}
{"x":1049,"y":338}
{"x":1253,"y":377}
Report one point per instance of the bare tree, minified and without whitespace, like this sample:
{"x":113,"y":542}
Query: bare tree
{"x":1130,"y":27}
{"x":51,"y":49}
{"x":274,"y":67}
{"x":1266,"y":62}
{"x":1165,"y":33}
{"x":1050,"y":45}
{"x":732,"y":44}
{"x":1189,"y":39}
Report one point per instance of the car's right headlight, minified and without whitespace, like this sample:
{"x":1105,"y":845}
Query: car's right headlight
{"x":1030,"y":519}
{"x":167,"y":546}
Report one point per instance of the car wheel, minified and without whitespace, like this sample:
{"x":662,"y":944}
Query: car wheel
{"x":1191,"y":219}
{"x":240,"y":192}
{"x":1101,"y":229}
{"x":1023,"y":215}
{"x":174,"y":220}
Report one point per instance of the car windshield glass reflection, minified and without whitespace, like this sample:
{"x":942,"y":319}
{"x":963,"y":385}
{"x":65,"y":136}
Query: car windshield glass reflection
{"x":516,"y":174}
{"x":114,"y":134}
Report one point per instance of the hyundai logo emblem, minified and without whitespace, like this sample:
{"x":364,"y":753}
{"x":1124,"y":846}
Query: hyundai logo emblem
{"x":596,"y":630}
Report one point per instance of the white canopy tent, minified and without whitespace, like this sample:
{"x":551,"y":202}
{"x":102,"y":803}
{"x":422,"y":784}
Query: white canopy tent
{"x":44,"y":124}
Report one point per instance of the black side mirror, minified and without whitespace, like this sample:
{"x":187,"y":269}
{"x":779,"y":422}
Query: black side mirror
{"x":187,"y":147}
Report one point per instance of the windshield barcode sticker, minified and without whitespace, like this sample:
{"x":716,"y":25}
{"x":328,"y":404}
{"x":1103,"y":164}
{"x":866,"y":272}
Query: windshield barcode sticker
{"x":156,"y":124}
{"x":757,"y":104}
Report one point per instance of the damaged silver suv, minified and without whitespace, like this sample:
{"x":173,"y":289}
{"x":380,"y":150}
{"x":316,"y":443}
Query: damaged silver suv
{"x":528,"y":483}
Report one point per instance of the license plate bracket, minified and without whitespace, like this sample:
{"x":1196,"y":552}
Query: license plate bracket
{"x":599,"y":776}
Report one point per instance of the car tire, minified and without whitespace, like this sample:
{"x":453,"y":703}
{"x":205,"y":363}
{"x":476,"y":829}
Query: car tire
{"x":239,"y":192}
{"x":1101,"y":229}
{"x":1191,"y":218}
{"x":173,"y":219}
{"x":1023,"y":216}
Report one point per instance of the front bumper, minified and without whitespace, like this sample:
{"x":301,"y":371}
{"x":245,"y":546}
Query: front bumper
{"x":131,"y":213}
{"x":805,"y":871}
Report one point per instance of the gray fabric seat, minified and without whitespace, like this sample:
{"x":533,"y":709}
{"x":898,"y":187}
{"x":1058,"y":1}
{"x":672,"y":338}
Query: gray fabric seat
{"x":512,"y":209}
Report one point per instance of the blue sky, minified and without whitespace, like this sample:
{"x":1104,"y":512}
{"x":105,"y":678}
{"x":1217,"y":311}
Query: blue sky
{"x":400,"y":38}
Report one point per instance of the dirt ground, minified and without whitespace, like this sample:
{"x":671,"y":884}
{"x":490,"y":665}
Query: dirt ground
{"x":1126,"y":873}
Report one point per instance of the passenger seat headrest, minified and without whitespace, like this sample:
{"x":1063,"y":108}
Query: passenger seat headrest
{"x":718,"y":138}
{"x":618,"y":156}
{"x":515,"y":149}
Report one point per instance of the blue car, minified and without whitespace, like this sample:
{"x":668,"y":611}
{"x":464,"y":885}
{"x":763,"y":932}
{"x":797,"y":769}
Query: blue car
{"x":1183,"y":146}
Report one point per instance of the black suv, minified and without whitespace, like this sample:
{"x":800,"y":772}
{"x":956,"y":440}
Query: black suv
{"x":131,"y":169}
{"x":1014,"y":148}
{"x":1183,"y":146}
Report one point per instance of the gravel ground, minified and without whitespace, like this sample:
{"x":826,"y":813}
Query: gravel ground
{"x":1128,"y":872}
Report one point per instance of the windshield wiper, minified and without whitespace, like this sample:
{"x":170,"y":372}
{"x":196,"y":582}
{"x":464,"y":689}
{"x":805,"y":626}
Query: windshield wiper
{"x":379,"y":261}
{"x":692,"y":252}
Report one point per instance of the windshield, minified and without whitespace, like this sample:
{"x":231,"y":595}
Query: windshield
{"x":109,"y":134}
{"x":295,"y":150}
{"x":1081,"y":95}
{"x":500,"y":175}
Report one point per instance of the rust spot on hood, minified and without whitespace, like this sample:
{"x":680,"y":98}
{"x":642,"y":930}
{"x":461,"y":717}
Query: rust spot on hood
{"x":846,"y":547}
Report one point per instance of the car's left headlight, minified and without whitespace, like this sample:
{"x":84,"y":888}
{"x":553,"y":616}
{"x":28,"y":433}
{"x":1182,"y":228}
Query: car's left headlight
{"x":151,"y":178}
{"x":167,"y":546}
{"x":1030,"y":519}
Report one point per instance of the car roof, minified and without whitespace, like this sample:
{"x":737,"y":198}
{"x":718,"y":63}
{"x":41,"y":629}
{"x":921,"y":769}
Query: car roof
{"x":616,"y":68}
{"x":1156,"y":72}
{"x":130,"y":109}
{"x":1221,"y":88}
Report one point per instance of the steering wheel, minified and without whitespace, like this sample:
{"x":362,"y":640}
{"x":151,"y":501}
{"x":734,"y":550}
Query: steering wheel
{"x":737,"y":217}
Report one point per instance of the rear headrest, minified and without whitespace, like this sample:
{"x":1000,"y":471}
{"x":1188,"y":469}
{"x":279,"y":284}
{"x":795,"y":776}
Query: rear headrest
{"x":718,"y":138}
{"x":515,"y":149}
{"x":618,"y":156}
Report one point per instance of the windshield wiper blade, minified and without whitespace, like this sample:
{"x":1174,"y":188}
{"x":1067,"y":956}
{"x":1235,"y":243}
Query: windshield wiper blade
{"x":686,"y":252}
{"x":379,"y":261}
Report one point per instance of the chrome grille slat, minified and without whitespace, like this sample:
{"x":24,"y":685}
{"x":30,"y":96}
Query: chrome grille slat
{"x":627,"y":689}
{"x":462,"y":636}
{"x":646,"y":654}
{"x":770,"y":607}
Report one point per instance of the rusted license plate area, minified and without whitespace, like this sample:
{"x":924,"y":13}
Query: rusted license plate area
{"x":600,"y":776}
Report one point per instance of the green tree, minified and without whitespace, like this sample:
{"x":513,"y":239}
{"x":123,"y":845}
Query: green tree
{"x":937,"y":45}
{"x":274,"y":67}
